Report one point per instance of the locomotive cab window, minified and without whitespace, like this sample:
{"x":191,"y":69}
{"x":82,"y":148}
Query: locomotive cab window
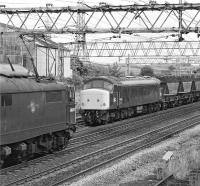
{"x":99,"y":84}
{"x":6,"y":99}
{"x":88,"y":85}
{"x":53,"y":96}
{"x":108,"y":86}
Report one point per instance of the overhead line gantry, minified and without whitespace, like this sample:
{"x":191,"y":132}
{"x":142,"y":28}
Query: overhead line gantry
{"x":81,"y":20}
{"x":104,"y":19}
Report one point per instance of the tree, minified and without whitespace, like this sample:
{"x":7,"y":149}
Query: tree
{"x":198,"y":70}
{"x":171,"y":68}
{"x":146,"y":71}
{"x":115,"y":70}
{"x":132,"y":73}
{"x":98,"y":70}
{"x":78,"y":66}
{"x":95,"y":69}
{"x":76,"y":80}
{"x":81,"y":68}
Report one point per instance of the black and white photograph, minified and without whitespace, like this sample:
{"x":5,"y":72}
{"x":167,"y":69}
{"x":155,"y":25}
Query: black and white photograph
{"x":100,"y":93}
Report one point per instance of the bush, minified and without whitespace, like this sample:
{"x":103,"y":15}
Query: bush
{"x":146,"y":71}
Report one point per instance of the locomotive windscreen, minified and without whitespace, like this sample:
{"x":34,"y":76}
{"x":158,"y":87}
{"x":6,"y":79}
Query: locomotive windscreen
{"x":98,"y":84}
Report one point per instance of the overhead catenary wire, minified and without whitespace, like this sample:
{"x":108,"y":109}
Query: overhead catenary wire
{"x":113,"y":37}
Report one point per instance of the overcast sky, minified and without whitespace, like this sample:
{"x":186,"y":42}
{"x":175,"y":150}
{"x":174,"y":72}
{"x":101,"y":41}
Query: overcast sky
{"x":63,"y":3}
{"x":41,"y":3}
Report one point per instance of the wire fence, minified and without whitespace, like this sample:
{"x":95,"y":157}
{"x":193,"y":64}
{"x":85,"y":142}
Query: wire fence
{"x":192,"y":180}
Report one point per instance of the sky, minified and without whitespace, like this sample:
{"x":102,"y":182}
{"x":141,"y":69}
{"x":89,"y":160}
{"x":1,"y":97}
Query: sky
{"x":63,"y":3}
{"x":42,"y":3}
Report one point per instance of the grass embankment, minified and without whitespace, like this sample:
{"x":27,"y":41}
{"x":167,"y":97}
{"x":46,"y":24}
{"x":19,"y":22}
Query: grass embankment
{"x":187,"y":155}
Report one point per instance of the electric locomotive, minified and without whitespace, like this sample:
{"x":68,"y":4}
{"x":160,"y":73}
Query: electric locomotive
{"x":36,"y":116}
{"x":105,"y":99}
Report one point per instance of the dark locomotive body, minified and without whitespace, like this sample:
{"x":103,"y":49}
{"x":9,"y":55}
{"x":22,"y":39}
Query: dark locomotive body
{"x":105,"y":99}
{"x":138,"y":91}
{"x":35,"y":116}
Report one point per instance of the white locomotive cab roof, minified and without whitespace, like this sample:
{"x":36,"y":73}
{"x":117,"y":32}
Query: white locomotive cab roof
{"x":5,"y":69}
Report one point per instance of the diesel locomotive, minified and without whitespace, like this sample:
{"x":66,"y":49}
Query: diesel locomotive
{"x":105,"y":99}
{"x":36,"y":116}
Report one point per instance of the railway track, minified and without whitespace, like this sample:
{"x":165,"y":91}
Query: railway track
{"x":88,"y":137}
{"x":129,"y":146}
{"x":74,"y":161}
{"x":82,"y":128}
{"x":79,"y":122}
{"x":118,"y":128}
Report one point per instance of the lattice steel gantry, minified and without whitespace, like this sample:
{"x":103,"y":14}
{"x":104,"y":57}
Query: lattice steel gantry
{"x":130,"y":19}
{"x":104,"y":19}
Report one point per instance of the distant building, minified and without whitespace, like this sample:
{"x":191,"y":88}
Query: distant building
{"x":44,"y":53}
{"x":47,"y":62}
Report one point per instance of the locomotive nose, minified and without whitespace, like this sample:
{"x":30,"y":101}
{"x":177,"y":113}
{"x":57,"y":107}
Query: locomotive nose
{"x":94,"y":99}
